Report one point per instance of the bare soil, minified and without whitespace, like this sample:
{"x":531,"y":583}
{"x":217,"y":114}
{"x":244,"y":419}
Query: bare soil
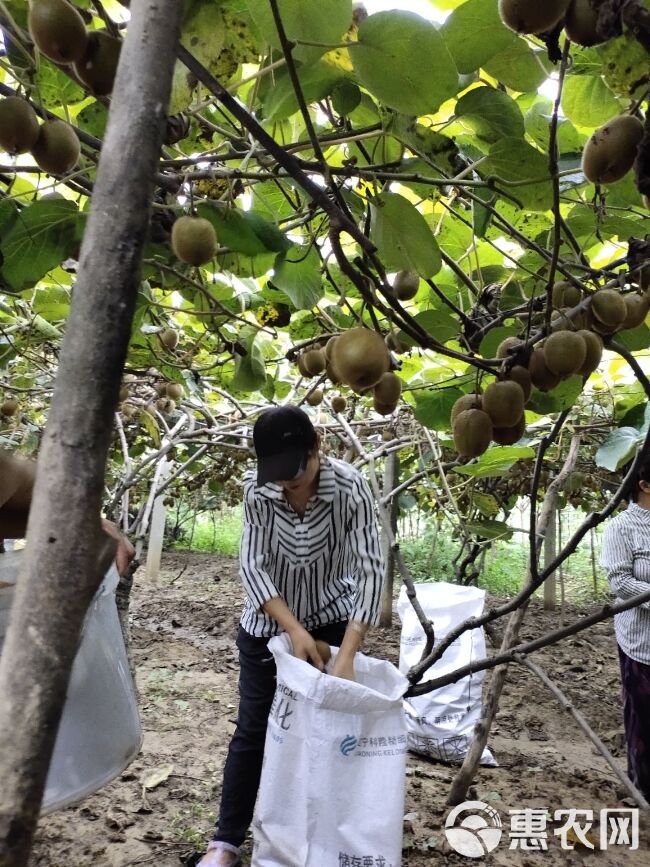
{"x":183,"y":628}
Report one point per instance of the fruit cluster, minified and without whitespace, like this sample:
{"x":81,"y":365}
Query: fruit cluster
{"x":59,"y":32}
{"x":358,"y":358}
{"x":574,"y":345}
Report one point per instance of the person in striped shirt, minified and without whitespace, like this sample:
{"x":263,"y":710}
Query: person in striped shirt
{"x":311,"y":566}
{"x":626,"y":557}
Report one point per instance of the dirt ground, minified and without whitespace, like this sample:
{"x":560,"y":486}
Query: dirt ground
{"x":183,"y":644}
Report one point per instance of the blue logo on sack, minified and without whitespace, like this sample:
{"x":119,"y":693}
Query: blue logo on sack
{"x":348,"y":745}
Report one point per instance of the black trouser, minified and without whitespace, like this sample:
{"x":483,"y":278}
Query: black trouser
{"x":241,"y":776}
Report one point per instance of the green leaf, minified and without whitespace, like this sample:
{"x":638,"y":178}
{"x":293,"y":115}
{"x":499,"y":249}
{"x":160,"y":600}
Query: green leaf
{"x":635,"y":339}
{"x":496,"y":461}
{"x":56,"y":89}
{"x":587,"y":101}
{"x":403,"y":237}
{"x":250,"y":370}
{"x":519,"y":67}
{"x":487,"y":505}
{"x":562,"y":397}
{"x":624,"y":64}
{"x":316,"y":82}
{"x":346,"y":96}
{"x":489,"y":530}
{"x":42,"y":237}
{"x":242,"y":231}
{"x":403,"y":61}
{"x":474,"y":33}
{"x":309,"y":22}
{"x":151,"y":426}
{"x":514,"y":160}
{"x":438,"y":323}
{"x":492,"y":339}
{"x":491,"y":113}
{"x":433,"y":408}
{"x":619,"y":447}
{"x":298,"y":273}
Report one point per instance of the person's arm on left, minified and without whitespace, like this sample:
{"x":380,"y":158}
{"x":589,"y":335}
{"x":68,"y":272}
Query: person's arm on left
{"x":363,"y":539}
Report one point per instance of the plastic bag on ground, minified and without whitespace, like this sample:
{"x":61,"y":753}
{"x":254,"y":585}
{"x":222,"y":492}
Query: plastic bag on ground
{"x":333,"y":780}
{"x":441,"y":723}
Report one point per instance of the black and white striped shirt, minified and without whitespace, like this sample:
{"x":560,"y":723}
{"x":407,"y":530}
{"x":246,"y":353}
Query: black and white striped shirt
{"x":326,"y":566}
{"x":626,"y":557}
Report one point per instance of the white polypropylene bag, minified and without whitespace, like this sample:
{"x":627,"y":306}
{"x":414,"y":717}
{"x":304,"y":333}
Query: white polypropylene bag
{"x":100,"y":731}
{"x":333,"y":780}
{"x":441,"y":723}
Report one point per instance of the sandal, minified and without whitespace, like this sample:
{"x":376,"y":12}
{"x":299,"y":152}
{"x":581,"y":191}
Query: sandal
{"x":220,"y":854}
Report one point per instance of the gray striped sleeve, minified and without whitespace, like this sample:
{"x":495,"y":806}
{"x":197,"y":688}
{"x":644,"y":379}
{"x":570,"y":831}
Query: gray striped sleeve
{"x":617,"y":557}
{"x":253,"y":551}
{"x":366,"y":551}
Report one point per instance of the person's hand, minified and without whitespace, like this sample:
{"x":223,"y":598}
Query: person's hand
{"x":125,"y":551}
{"x":344,"y":667}
{"x":304,"y":647}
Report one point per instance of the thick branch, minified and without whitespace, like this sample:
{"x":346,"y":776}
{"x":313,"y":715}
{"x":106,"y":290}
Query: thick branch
{"x":63,"y":564}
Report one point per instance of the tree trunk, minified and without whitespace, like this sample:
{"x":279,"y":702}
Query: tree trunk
{"x":550,"y":550}
{"x":391,"y":481}
{"x":66,"y":556}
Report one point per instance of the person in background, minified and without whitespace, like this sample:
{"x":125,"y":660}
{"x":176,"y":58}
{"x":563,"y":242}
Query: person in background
{"x":16,"y":486}
{"x":311,"y":566}
{"x":626,"y":557}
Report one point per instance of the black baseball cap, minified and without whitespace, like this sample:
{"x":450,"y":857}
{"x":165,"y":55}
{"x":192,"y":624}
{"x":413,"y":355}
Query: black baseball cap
{"x":283,"y":436}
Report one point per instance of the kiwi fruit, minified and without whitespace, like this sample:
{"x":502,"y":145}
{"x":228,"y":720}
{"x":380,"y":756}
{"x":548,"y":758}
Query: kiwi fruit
{"x":329,"y":348}
{"x":98,"y":66}
{"x":508,"y":436}
{"x":338,"y":404}
{"x":394,"y":343}
{"x":300,"y":363}
{"x":388,"y":389}
{"x":19,"y":127}
{"x":332,"y":374}
{"x":324,"y":651}
{"x":610,"y":152}
{"x":57,"y":148}
{"x":504,"y":402}
{"x":609,"y":308}
{"x":161,"y":389}
{"x":565,"y":294}
{"x":175,"y":390}
{"x":360,"y":358}
{"x":124,"y":394}
{"x":58,"y":30}
{"x":316,"y":397}
{"x":594,"y":346}
{"x":194,"y":240}
{"x":532,"y":16}
{"x":508,"y":347}
{"x":129,"y":411}
{"x":169,"y":339}
{"x":472,"y":430}
{"x":165,"y":405}
{"x":387,"y":435}
{"x":521,"y":374}
{"x":564,"y":352}
{"x":561,"y":321}
{"x":9,"y":407}
{"x":406,"y":285}
{"x":467,"y":401}
{"x":314,"y":361}
{"x":637,"y":310}
{"x":580,"y":23}
{"x":540,"y":375}
{"x":383,"y":408}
